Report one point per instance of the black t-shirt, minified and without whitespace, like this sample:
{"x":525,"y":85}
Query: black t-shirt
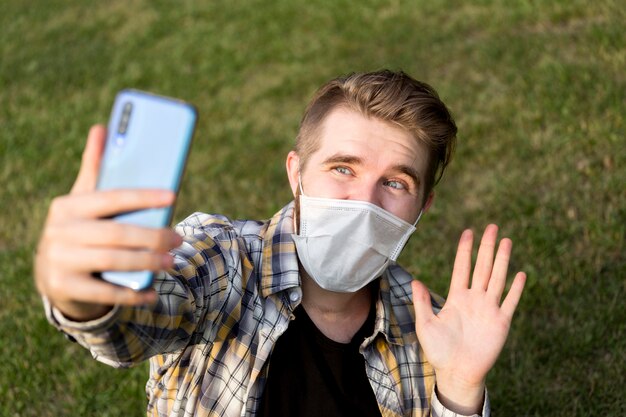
{"x":312,"y":375}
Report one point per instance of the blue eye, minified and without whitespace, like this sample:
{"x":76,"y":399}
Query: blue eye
{"x":396,"y":185}
{"x":343,"y":170}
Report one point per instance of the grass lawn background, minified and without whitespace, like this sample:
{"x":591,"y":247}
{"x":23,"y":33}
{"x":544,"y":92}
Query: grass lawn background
{"x":538,"y":90}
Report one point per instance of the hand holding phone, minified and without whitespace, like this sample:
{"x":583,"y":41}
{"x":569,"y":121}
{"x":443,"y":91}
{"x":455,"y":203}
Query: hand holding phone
{"x":79,"y":237}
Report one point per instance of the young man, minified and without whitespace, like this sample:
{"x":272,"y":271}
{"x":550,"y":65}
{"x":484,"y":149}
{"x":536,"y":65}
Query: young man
{"x":306,"y":313}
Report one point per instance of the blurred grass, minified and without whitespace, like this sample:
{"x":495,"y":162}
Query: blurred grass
{"x":538,"y":91}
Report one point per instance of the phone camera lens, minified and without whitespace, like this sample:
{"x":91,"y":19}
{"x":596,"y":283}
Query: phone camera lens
{"x":126,"y":112}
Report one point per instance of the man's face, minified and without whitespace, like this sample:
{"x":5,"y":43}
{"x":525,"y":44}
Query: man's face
{"x":365,"y":159}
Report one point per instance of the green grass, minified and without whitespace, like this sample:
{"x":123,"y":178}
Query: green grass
{"x":538,"y":90}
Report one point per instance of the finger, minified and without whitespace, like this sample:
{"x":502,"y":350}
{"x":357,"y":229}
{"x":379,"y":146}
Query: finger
{"x":422,"y":305}
{"x":80,"y":259}
{"x":90,"y":163}
{"x":500,"y":269}
{"x":484,"y":260}
{"x":462,"y":262}
{"x":515,"y":293}
{"x":111,"y":234}
{"x":86,"y":289}
{"x":100,"y":204}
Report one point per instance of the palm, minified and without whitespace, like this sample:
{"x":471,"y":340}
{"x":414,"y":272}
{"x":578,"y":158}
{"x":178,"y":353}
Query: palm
{"x":466,"y":337}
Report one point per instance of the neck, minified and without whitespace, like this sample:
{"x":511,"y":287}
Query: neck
{"x":337,"y":315}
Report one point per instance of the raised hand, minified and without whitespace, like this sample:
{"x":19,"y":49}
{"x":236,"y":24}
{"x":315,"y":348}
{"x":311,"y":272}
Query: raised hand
{"x":77,"y":240}
{"x":464,"y":340}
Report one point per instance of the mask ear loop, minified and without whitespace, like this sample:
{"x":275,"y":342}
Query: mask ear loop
{"x":296,"y":217}
{"x":419,"y":216}
{"x":300,"y":182}
{"x":405,"y":240}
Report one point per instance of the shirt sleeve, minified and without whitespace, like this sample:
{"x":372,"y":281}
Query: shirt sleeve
{"x":190,"y":297}
{"x":126,"y":336}
{"x":438,"y":410}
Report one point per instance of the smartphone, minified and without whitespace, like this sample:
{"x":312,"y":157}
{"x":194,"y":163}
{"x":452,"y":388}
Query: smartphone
{"x":147,"y":145}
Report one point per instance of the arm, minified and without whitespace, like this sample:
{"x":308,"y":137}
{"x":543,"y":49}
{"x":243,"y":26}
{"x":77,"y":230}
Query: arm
{"x":464,"y":340}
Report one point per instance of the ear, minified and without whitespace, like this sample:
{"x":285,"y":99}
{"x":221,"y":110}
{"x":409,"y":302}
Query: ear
{"x":429,"y":201}
{"x":293,"y":170}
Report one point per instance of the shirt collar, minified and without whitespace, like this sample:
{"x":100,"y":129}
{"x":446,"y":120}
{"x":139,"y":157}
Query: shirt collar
{"x":279,"y":265}
{"x":395,"y":314}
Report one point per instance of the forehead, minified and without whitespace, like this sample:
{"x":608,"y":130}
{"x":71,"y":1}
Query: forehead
{"x":347,"y":131}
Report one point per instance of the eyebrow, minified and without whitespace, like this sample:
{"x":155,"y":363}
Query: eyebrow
{"x":409,"y":171}
{"x":355,"y":160}
{"x":343,"y":159}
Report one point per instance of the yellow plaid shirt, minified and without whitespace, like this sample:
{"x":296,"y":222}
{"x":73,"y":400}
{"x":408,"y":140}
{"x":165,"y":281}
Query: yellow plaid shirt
{"x":221,"y":309}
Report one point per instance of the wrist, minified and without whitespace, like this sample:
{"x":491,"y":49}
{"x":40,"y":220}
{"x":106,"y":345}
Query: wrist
{"x":460,"y":396}
{"x":82,"y":312}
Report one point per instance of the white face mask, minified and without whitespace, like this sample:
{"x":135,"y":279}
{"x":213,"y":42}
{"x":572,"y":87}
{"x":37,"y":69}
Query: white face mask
{"x":345,"y":244}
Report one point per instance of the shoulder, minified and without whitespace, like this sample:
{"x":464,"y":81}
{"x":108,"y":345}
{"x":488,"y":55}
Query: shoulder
{"x":396,"y":294}
{"x":217,"y":242}
{"x":401,"y":291}
{"x":214,"y":225}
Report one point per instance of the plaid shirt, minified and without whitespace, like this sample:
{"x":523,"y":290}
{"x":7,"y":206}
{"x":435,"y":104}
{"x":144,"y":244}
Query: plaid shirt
{"x":228,"y":298}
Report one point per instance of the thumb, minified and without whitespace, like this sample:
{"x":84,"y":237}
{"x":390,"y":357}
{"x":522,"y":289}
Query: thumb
{"x":90,"y":164}
{"x":422,"y":305}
